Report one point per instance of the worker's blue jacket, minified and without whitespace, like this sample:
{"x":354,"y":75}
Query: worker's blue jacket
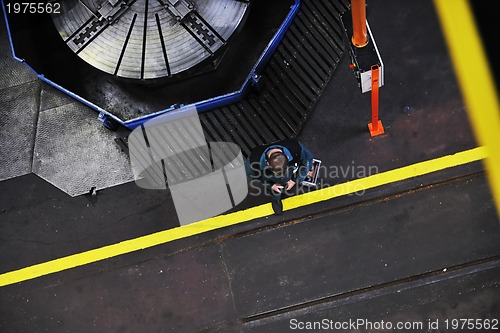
{"x":300,"y":161}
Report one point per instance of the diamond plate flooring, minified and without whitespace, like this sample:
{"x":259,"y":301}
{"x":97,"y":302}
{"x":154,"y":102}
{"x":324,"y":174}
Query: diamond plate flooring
{"x":45,"y":132}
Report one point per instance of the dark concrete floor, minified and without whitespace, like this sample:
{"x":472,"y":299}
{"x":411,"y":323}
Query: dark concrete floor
{"x":422,"y":249}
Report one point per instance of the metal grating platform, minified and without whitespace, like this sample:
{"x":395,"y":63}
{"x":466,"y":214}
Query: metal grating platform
{"x":292,"y":82}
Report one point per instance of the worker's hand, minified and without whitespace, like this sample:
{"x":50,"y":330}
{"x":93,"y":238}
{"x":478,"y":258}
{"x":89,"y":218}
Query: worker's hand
{"x":290,"y":184}
{"x":310,"y":174}
{"x":277,"y":188}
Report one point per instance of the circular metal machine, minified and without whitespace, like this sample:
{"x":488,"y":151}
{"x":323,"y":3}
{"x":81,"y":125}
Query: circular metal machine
{"x":147,"y":39}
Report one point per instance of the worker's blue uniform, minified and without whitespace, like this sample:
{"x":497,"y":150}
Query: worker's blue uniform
{"x":300,"y":162}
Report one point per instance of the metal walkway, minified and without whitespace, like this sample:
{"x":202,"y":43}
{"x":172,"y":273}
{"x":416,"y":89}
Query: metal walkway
{"x":291,"y":84}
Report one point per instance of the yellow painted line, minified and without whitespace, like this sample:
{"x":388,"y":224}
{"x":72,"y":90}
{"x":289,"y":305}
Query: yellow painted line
{"x":477,"y":86}
{"x":387,"y":177}
{"x":221,"y":221}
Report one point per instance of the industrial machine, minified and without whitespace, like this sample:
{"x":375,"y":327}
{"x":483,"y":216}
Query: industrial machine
{"x":148,"y":39}
{"x":131,"y":60}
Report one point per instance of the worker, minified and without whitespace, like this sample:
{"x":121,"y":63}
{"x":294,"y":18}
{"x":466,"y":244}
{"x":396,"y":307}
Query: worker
{"x":280,"y":166}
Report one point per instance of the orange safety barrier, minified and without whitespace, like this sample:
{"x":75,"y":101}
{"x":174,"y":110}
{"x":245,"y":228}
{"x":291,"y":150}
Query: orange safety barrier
{"x":375,"y":126}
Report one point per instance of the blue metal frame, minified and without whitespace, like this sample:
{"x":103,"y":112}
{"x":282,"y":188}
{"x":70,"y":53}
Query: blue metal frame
{"x":202,"y":106}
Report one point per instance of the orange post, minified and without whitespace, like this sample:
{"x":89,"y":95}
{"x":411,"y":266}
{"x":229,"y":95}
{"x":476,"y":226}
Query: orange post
{"x":375,"y":126}
{"x":359,"y":34}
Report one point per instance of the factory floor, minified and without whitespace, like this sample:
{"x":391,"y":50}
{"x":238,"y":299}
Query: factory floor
{"x":417,"y":250}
